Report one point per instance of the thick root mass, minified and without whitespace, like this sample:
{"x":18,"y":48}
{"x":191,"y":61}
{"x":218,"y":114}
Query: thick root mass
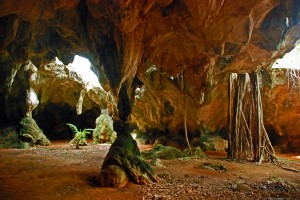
{"x":248,"y":138}
{"x":125,"y":156}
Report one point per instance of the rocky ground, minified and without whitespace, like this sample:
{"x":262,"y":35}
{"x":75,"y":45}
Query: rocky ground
{"x":62,"y":172}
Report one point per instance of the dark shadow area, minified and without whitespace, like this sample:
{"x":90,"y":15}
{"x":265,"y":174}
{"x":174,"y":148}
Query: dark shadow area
{"x":275,"y":138}
{"x":52,"y":119}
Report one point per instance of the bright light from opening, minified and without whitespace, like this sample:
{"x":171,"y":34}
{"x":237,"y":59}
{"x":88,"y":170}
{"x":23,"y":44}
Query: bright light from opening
{"x":133,"y":135}
{"x":82,"y":66}
{"x":57,"y":61}
{"x":290,"y":60}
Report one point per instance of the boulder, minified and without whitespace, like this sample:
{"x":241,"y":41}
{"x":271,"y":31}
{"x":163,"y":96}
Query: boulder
{"x":9,"y":138}
{"x":112,"y":176}
{"x":31,"y":133}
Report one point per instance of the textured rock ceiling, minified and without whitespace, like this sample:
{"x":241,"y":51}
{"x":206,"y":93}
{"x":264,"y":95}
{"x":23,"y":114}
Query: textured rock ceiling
{"x":174,"y":35}
{"x":205,"y":39}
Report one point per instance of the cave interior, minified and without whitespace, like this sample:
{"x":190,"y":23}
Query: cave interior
{"x":162,"y":70}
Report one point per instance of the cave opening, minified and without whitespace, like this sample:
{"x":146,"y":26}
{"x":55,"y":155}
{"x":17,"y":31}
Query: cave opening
{"x":82,"y":66}
{"x":290,"y":62}
{"x":69,"y":98}
{"x":285,"y":78}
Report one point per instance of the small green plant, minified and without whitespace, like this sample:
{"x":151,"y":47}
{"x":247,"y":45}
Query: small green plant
{"x":80,"y":135}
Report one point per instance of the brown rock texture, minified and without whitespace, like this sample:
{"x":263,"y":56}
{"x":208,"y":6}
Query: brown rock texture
{"x":281,"y":110}
{"x":205,"y":40}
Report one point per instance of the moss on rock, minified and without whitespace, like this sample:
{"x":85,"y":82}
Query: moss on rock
{"x":125,"y":156}
{"x":31,"y":133}
{"x":9,"y":138}
{"x":104,"y":132}
{"x":28,"y":134}
{"x":112,"y":176}
{"x":195,"y":152}
{"x":162,"y":152}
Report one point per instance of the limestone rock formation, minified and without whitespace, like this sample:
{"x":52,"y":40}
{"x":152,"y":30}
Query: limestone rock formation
{"x":281,"y":109}
{"x":27,"y":134}
{"x":104,"y":131}
{"x":124,"y":155}
{"x":31,"y":133}
{"x":54,"y":84}
{"x":9,"y":138}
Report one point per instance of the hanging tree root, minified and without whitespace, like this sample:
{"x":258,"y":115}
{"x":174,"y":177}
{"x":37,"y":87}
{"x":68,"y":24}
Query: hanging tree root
{"x":123,"y":163}
{"x":184,"y":106}
{"x":248,"y":138}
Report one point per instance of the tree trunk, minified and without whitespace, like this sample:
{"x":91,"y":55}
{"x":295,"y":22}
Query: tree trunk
{"x":123,"y":161}
{"x":248,"y":139}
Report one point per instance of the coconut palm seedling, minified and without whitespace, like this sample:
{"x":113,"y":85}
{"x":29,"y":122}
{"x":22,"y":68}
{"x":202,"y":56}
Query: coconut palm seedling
{"x":80,"y":135}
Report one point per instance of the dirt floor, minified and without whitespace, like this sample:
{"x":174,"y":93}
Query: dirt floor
{"x":62,"y":172}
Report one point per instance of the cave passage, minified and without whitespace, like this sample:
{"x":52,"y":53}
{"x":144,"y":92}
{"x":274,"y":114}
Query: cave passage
{"x":51,"y":116}
{"x":290,"y":63}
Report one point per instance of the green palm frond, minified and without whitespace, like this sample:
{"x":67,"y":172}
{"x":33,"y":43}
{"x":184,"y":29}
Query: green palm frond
{"x":84,"y":132}
{"x":80,"y":135}
{"x":73,"y":128}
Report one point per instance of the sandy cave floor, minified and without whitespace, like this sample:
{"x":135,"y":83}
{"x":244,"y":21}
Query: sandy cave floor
{"x":62,"y":172}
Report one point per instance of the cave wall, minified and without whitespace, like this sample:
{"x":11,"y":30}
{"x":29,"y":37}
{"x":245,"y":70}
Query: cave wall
{"x":281,"y":109}
{"x":159,"y":105}
{"x":63,"y":97}
{"x":204,"y":40}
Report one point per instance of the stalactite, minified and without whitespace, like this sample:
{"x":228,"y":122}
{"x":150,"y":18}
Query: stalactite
{"x":80,"y":102}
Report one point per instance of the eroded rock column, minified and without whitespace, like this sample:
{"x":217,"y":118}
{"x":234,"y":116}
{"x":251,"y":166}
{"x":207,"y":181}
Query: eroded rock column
{"x":29,"y":130}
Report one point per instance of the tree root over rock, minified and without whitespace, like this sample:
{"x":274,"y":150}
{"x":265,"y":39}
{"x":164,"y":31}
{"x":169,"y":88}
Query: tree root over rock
{"x":124,"y":162}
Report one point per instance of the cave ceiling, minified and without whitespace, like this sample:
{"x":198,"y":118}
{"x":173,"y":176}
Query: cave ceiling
{"x":205,"y":40}
{"x":122,"y":37}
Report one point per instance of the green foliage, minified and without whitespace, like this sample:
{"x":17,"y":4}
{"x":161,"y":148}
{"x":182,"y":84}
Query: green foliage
{"x":80,"y":135}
